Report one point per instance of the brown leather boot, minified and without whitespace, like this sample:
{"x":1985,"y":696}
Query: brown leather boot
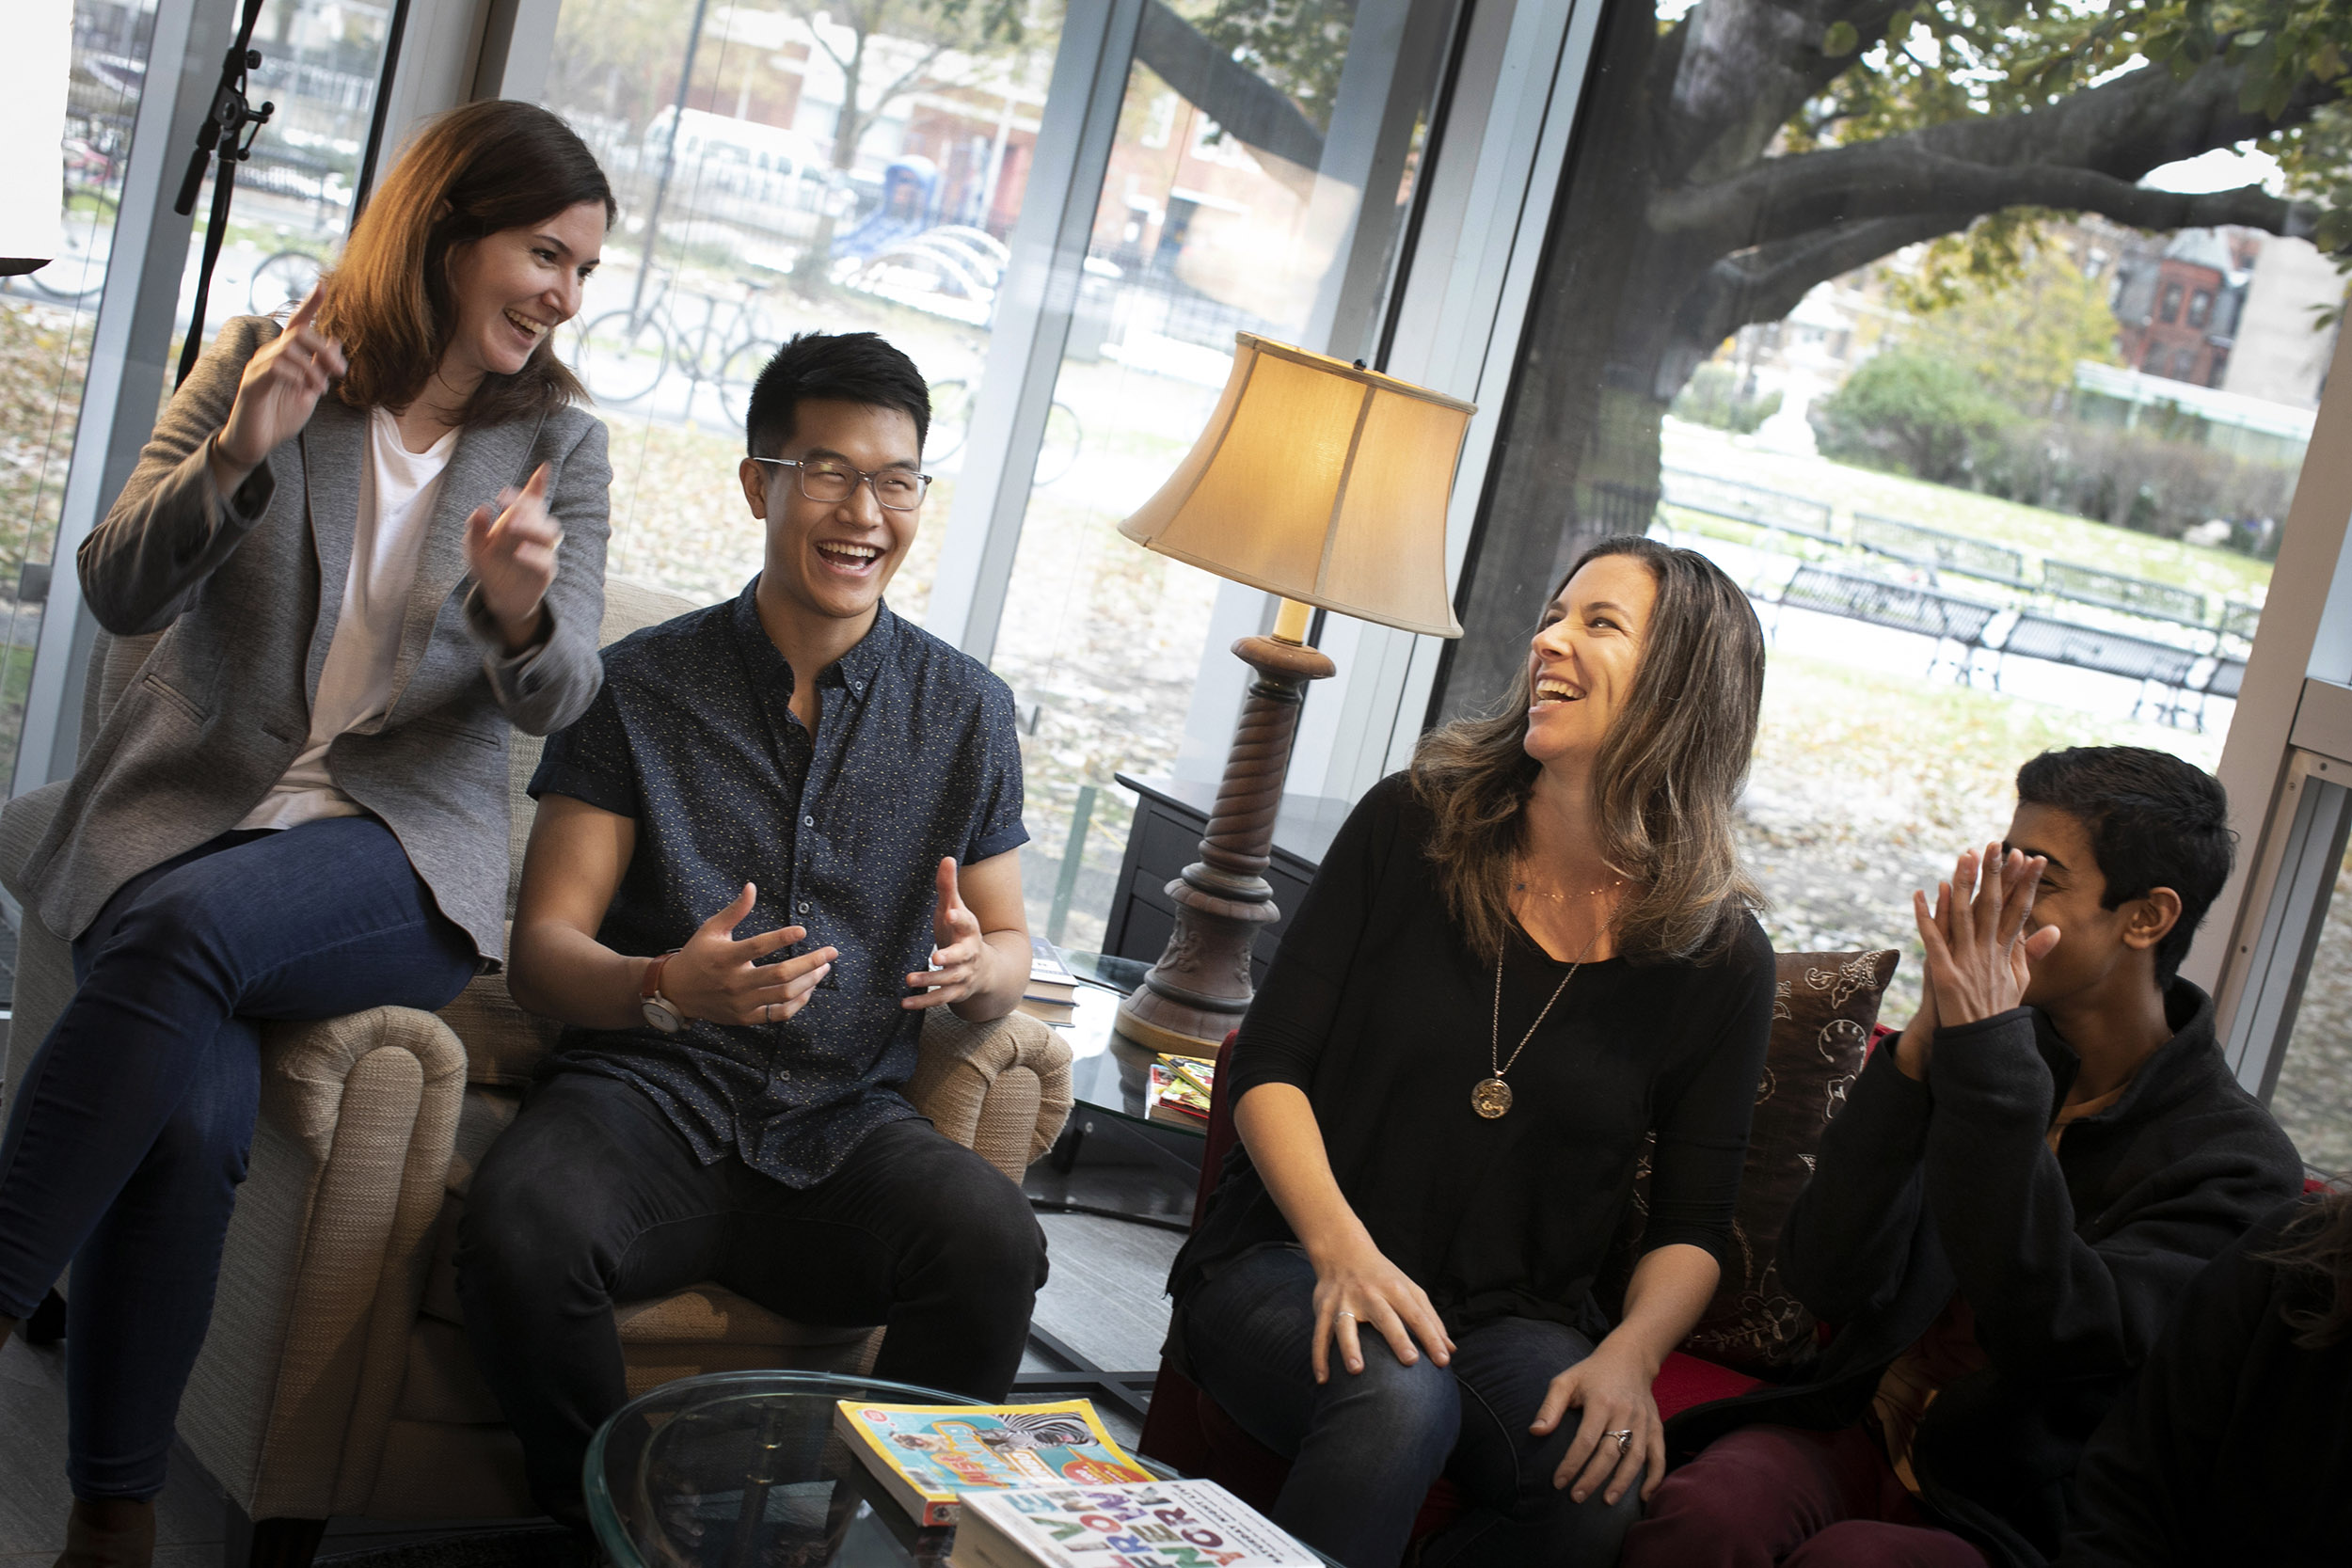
{"x":112,"y":1534}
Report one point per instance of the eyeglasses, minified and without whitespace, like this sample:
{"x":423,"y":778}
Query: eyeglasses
{"x":821,"y":479}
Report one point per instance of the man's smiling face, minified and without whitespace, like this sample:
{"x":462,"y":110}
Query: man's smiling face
{"x":832,"y":559}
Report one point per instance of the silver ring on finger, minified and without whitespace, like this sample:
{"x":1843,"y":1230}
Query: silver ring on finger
{"x":1350,"y":1315}
{"x":1625,"y":1440}
{"x":767,"y":1012}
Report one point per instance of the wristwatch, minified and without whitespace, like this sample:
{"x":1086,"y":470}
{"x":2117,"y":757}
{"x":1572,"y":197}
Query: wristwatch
{"x":660,"y":1012}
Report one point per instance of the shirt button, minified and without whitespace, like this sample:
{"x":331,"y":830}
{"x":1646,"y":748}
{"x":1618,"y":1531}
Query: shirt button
{"x":804,"y":906}
{"x":808,"y":822}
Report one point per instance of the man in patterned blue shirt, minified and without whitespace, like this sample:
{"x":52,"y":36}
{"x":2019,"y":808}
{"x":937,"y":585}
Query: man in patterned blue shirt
{"x":788,"y":825}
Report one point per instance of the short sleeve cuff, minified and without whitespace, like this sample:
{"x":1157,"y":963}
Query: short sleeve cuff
{"x":996,"y":844}
{"x":1712,"y":1240}
{"x":617,"y":796}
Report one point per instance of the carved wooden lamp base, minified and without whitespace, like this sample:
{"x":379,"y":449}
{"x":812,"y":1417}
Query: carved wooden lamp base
{"x":1200,"y":987}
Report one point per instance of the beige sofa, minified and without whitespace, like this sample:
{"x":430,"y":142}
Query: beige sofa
{"x":337,"y":1379}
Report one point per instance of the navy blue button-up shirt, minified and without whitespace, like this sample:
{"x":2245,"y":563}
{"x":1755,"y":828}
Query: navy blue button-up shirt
{"x":914,"y":757}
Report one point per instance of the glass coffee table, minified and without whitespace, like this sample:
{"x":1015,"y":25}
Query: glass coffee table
{"x":742,"y":1470}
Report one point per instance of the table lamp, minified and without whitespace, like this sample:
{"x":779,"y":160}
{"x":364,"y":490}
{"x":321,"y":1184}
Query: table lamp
{"x":1326,"y":484}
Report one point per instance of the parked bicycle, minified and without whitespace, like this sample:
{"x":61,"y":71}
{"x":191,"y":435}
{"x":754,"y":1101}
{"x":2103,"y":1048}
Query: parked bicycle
{"x":621,"y":358}
{"x":951,"y":424}
{"x":283,"y":280}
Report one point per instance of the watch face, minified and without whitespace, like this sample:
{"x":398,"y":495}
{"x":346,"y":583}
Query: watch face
{"x":663,"y":1016}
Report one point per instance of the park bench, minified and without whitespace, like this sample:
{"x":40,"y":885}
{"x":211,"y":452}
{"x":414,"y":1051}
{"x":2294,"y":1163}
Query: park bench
{"x":2156,"y":601}
{"x":2225,"y":679}
{"x":1896,"y":605}
{"x":1753,"y":504}
{"x":2112,"y":653}
{"x":1938,"y":550}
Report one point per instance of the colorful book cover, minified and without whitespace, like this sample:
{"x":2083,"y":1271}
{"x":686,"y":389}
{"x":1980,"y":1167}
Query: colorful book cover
{"x":1153,"y":1523}
{"x":1199,"y":1071}
{"x":924,"y":1454}
{"x":1171,"y":1098}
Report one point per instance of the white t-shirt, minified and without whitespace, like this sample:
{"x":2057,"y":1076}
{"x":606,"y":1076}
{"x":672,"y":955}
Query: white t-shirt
{"x":356,"y":687}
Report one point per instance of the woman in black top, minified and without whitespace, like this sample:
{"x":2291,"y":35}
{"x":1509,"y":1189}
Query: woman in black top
{"x":2234,"y":1444}
{"x":1516,"y":962}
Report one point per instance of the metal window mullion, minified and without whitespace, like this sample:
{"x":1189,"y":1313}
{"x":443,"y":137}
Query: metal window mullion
{"x":129,"y":350}
{"x":2294,"y":882}
{"x":1034,"y":307}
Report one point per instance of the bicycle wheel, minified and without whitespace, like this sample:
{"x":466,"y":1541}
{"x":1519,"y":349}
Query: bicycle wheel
{"x":619,"y":361}
{"x":739,"y":373}
{"x":1059,"y":451}
{"x":951,"y":419}
{"x":80,"y":270}
{"x":283,"y":280}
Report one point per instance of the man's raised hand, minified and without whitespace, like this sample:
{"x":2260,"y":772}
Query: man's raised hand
{"x":958,"y":950}
{"x":1979,"y":958}
{"x":511,"y":554}
{"x":718,"y":979}
{"x":280,"y":386}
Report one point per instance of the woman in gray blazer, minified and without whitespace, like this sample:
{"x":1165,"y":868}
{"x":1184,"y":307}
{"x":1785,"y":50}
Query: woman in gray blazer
{"x":373,"y":539}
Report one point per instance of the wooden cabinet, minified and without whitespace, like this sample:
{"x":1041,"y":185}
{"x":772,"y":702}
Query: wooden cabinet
{"x":1170,"y":817}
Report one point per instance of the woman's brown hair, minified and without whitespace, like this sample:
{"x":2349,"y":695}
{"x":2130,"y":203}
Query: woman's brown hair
{"x":472,"y":172}
{"x":2317,"y":1243}
{"x":1664,"y":786}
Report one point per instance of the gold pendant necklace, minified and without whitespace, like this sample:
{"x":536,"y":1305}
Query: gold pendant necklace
{"x":1491,"y":1096}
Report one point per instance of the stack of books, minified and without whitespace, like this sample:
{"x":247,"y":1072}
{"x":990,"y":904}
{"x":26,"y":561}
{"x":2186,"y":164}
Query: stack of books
{"x":1052,"y":993}
{"x":1177,"y":1092}
{"x":1044,"y":1486}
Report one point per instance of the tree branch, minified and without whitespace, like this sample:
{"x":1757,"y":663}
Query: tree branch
{"x":1744,"y":69}
{"x":2082,"y":153}
{"x":1243,"y":103}
{"x":1766,"y":283}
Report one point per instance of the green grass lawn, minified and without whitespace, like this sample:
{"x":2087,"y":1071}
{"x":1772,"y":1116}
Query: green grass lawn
{"x":2040,"y":533}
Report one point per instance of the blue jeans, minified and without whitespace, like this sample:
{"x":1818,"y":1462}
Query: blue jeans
{"x":1365,"y":1447}
{"x":128,"y":1137}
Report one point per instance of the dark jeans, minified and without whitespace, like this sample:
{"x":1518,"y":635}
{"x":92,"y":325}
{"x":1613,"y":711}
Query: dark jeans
{"x":129,"y":1134}
{"x":1771,"y":1494}
{"x":593,"y":1198}
{"x":1364,"y":1448}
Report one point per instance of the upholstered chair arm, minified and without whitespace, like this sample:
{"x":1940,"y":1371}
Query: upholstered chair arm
{"x":326,"y":1260}
{"x":44,"y":963}
{"x":1003,"y":1087}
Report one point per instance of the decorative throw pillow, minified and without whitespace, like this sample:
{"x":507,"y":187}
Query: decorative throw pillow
{"x":1825,"y":1005}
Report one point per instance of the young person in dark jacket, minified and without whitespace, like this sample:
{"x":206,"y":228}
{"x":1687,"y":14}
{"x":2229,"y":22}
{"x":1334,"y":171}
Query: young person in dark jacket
{"x":2011,"y":1201}
{"x":2236,"y":1441}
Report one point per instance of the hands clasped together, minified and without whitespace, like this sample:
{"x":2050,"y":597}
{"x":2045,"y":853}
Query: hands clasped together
{"x":1980,"y":955}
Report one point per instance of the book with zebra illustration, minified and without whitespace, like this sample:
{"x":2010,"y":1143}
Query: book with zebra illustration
{"x":924,"y":1454}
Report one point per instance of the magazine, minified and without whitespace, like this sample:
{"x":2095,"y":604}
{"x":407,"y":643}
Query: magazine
{"x":924,"y":1454}
{"x":1171,"y":1099}
{"x":1151,"y":1524}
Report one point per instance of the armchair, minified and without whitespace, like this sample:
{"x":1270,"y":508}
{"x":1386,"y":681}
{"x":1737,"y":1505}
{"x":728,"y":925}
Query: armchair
{"x":336,"y":1378}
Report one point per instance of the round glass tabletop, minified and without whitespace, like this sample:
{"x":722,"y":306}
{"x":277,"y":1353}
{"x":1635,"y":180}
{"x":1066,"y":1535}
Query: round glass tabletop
{"x":742,"y":1470}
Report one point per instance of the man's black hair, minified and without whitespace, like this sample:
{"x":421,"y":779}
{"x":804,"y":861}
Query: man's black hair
{"x":853,"y":367}
{"x":2154,"y":820}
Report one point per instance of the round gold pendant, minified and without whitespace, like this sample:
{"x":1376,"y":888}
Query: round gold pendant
{"x":1490,"y":1098}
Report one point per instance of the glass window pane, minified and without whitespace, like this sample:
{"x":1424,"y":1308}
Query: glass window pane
{"x":320,"y":61}
{"x":2071,"y":439}
{"x":1224,"y":209}
{"x":760,"y":196}
{"x":2312,"y":1098}
{"x":46,"y":320}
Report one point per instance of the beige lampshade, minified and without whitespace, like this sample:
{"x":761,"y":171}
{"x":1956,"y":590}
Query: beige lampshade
{"x":1320,"y":482}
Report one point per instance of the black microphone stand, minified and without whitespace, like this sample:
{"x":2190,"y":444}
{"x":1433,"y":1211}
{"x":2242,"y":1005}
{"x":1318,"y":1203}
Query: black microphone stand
{"x":227,"y":133}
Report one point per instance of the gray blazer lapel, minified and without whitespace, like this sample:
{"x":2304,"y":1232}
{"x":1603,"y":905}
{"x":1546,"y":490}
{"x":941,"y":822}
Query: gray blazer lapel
{"x":485,"y":461}
{"x":334,"y":467}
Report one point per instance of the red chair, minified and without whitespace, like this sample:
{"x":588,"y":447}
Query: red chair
{"x":1185,"y":1428}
